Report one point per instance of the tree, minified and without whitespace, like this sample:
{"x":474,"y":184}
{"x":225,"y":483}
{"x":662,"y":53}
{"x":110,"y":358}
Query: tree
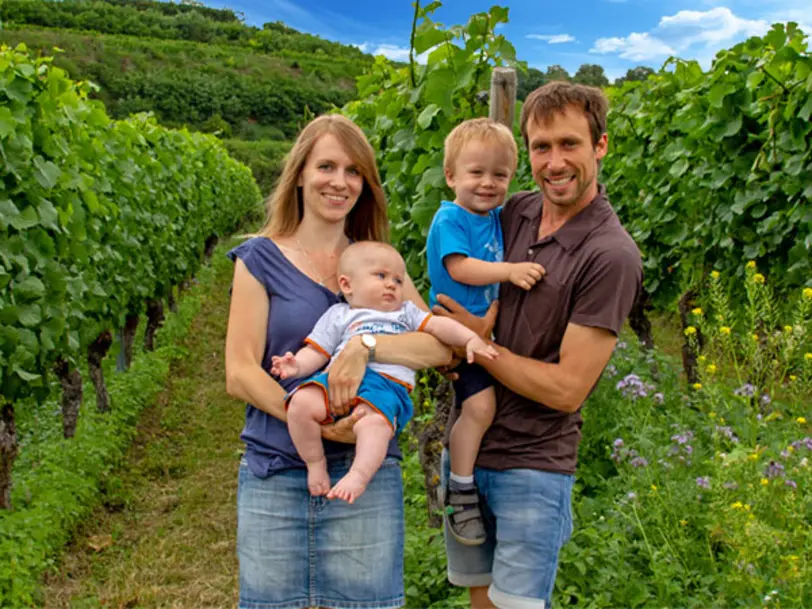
{"x":529,"y":82}
{"x":591,"y":74}
{"x":638,"y":73}
{"x":556,"y":72}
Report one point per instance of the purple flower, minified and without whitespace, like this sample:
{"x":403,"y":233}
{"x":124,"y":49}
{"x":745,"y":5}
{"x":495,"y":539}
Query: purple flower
{"x":621,"y":345}
{"x":805,"y":443}
{"x":611,"y":370}
{"x":631,"y":496}
{"x":638,"y":462}
{"x":682,"y":438}
{"x":765,"y":399}
{"x":727,"y":432}
{"x":785,"y":454}
{"x":791,"y":483}
{"x":631,"y":386}
{"x":747,"y":390}
{"x":659,"y":398}
{"x":703,"y":482}
{"x":774,"y":470}
{"x":731,"y":486}
{"x":618,"y":443}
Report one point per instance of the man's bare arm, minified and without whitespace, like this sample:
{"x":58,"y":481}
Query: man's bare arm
{"x":564,"y":386}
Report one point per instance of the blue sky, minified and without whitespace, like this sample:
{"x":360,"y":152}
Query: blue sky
{"x":617,"y":34}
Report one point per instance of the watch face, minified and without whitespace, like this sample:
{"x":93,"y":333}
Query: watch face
{"x":368,"y":340}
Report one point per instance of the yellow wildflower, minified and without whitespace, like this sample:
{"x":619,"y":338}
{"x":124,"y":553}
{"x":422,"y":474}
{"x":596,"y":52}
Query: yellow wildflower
{"x":701,"y":359}
{"x":654,"y":487}
{"x":788,"y":329}
{"x":683,"y":522}
{"x":697,"y":311}
{"x":737,"y":506}
{"x":800,"y":421}
{"x":758,"y":278}
{"x":751,"y":264}
{"x":746,"y":507}
{"x":793,"y":378}
{"x":714,"y":275}
{"x":697,"y":386}
{"x":711,"y":368}
{"x":764,"y":482}
{"x":753,"y":456}
{"x":724,"y":330}
{"x":808,"y":357}
{"x":690,"y":331}
{"x":808,"y":293}
{"x":712,"y":415}
{"x":790,"y":449}
{"x":755,"y":336}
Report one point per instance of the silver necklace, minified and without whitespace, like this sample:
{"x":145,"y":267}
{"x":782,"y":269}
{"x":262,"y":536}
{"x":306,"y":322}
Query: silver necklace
{"x":321,"y":280}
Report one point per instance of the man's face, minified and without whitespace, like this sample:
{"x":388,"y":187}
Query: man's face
{"x":563,"y":159}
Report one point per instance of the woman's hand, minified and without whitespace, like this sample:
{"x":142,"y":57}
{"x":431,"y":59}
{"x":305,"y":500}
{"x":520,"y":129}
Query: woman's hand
{"x":342,"y":430}
{"x":345,"y":375}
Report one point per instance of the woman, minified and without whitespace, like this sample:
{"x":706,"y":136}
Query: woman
{"x":295,"y":550}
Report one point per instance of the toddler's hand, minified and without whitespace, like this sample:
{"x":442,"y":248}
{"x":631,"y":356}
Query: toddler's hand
{"x":284,"y":366}
{"x":479,"y":347}
{"x":526,"y":274}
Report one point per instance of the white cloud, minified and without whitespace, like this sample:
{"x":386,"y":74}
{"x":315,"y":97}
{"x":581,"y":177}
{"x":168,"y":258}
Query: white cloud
{"x":552,"y":38}
{"x":391,"y":51}
{"x":635,"y":46}
{"x":711,"y":28}
{"x":687,"y":34}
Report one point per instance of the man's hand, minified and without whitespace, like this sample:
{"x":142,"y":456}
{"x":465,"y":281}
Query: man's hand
{"x":526,"y":274}
{"x":477,"y":346}
{"x":345,"y":375}
{"x":483,"y":326}
{"x":285,"y":366}
{"x":342,"y":430}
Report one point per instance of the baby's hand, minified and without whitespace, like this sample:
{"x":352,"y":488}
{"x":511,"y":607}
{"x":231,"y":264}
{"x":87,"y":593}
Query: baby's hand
{"x":526,"y":274}
{"x":284,"y":366}
{"x":479,"y":347}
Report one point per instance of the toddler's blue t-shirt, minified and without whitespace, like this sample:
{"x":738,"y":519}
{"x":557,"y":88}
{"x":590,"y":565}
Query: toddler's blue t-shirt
{"x":455,"y":230}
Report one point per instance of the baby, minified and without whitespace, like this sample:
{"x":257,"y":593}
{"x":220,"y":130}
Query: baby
{"x":371,"y":278}
{"x":465,"y":262}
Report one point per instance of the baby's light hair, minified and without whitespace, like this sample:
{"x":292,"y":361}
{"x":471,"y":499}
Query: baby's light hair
{"x":361,"y":254}
{"x":481,"y":130}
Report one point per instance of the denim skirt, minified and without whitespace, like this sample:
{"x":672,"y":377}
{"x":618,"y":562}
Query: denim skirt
{"x":298,"y":551}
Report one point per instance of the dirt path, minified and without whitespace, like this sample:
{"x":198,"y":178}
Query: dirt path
{"x":166,"y":536}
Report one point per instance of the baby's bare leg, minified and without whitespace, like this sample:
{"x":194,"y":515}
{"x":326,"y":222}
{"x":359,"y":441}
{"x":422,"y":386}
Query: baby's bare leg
{"x":373,"y":433}
{"x":305,"y":413}
{"x":466,"y":435}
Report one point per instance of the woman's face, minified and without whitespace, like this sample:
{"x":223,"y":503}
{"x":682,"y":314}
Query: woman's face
{"x":331,"y":181}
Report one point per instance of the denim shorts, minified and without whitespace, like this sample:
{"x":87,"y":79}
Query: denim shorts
{"x":300,"y":551}
{"x":519,"y":560}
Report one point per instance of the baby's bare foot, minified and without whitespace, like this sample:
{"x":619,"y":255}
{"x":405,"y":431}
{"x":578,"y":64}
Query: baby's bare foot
{"x":318,"y":480}
{"x":349,"y":488}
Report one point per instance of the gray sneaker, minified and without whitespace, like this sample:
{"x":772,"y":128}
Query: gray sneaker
{"x":465,"y":517}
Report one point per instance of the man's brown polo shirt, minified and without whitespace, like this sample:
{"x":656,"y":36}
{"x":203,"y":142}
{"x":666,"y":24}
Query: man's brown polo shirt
{"x":594,"y":274}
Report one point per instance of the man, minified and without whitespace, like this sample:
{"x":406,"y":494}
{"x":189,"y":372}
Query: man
{"x":554,"y":341}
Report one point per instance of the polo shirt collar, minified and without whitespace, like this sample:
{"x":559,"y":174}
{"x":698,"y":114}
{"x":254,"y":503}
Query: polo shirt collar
{"x":576,"y":229}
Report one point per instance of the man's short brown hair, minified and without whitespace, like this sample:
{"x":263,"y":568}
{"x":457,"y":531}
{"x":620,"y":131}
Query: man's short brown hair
{"x":556,"y":96}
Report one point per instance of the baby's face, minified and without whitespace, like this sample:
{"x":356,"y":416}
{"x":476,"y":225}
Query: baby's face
{"x":378,"y":284}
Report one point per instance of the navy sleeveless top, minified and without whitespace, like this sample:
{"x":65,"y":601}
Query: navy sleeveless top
{"x":296,"y":303}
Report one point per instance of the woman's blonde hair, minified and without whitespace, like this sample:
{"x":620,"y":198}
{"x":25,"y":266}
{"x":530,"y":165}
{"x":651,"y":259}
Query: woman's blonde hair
{"x":367,"y":220}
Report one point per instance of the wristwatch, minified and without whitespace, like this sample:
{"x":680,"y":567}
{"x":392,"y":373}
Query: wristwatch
{"x":368,"y":340}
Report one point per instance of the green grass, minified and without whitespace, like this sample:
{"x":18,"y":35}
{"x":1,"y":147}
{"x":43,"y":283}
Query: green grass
{"x":165,"y":536}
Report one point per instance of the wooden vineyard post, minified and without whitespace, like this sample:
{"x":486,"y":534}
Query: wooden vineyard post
{"x":503,"y":96}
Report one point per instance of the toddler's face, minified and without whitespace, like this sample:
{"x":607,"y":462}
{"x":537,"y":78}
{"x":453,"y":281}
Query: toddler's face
{"x":377,"y":284}
{"x":480,"y":176}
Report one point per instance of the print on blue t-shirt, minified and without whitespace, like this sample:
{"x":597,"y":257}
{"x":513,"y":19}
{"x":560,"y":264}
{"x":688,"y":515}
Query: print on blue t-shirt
{"x":455,"y":230}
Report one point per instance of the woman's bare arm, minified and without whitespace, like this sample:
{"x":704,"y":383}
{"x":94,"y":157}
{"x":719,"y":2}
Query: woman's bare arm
{"x":245,"y":344}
